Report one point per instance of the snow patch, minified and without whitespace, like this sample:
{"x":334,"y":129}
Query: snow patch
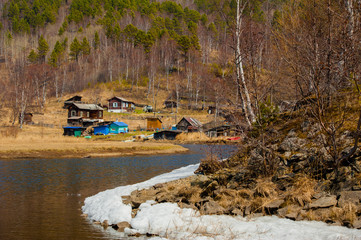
{"x":170,"y":221}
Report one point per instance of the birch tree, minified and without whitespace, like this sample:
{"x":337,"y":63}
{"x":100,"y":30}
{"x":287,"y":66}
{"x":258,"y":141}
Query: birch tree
{"x":240,"y":76}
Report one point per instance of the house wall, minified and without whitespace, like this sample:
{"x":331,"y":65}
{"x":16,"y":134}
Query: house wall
{"x":101,"y":130}
{"x":116,"y":129}
{"x":75,"y":112}
{"x":121,"y":106}
{"x":154,"y":124}
{"x":183,"y":125}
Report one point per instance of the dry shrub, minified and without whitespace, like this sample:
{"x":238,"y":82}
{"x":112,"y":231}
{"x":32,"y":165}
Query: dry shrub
{"x":194,"y":136}
{"x":191,"y":193}
{"x":265,"y":188}
{"x":230,"y":198}
{"x":209,"y":165}
{"x":349,"y":213}
{"x":10,"y":132}
{"x":302,"y":190}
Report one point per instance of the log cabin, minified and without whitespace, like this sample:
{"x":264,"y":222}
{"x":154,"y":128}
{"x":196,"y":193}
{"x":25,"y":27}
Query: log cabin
{"x":120,"y":105}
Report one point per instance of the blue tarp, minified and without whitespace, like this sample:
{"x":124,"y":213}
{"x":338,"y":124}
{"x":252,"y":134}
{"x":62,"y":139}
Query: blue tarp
{"x":101,"y":130}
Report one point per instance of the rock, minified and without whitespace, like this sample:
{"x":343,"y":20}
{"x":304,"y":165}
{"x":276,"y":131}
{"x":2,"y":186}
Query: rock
{"x":357,"y":224}
{"x":237,"y":212}
{"x":187,"y":205}
{"x":292,"y":144}
{"x":122,"y":225}
{"x":317,"y":195}
{"x":290,"y":212}
{"x":275,"y":204}
{"x":212,"y":207}
{"x":324,"y":202}
{"x":256,"y":215}
{"x":347,"y":197}
{"x":105,"y":224}
{"x":165,"y":197}
{"x":159,"y":185}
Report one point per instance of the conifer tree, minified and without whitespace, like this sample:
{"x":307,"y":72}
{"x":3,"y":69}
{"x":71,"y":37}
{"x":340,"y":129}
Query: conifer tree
{"x":75,"y":49}
{"x":43,"y":48}
{"x":85,"y":47}
{"x":96,"y":40}
{"x":32,"y":57}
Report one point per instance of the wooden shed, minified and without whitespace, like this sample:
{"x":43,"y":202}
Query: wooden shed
{"x":70,"y":101}
{"x":73,"y":131}
{"x":154,"y":123}
{"x":118,"y":127}
{"x":189,"y":124}
{"x":120,"y":105}
{"x":166,"y":134}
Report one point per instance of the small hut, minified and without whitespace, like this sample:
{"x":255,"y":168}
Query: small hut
{"x":101,"y":130}
{"x":118,"y":127}
{"x":28,"y":118}
{"x":166,"y":134}
{"x":73,"y":131}
{"x":154,"y":123}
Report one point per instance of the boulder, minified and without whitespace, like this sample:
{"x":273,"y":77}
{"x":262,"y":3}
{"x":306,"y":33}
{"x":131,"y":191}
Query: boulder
{"x":347,"y":197}
{"x":324,"y":202}
{"x":357,"y":224}
{"x":212,"y":207}
{"x":275,"y":204}
{"x":122,"y":225}
{"x":291,"y":144}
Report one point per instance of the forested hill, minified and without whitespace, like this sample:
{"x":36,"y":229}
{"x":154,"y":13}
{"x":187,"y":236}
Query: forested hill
{"x":196,"y":51}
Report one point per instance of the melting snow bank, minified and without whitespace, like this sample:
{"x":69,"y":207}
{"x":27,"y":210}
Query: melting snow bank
{"x":108,"y":205}
{"x":168,"y":220}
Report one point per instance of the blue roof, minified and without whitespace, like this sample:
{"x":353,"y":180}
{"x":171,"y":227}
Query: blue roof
{"x":102,"y":126}
{"x":120,"y":124}
{"x":73,"y":127}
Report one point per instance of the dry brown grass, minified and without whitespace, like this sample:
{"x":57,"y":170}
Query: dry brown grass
{"x":265,"y":188}
{"x":302,"y":190}
{"x":195,"y":136}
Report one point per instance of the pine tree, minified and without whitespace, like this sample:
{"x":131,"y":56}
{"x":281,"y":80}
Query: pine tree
{"x":32,"y":57}
{"x":85,"y":46}
{"x":43,"y":48}
{"x":96,"y":41}
{"x":75,"y":49}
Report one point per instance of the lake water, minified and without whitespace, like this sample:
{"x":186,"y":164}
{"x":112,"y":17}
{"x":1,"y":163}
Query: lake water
{"x":42,"y":199}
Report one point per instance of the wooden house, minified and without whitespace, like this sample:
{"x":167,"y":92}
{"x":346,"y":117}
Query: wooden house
{"x":118,"y":127}
{"x":221,"y":130}
{"x":189,"y":124}
{"x":154,"y":123}
{"x":119,"y":105}
{"x":70,"y":101}
{"x":80,"y":114}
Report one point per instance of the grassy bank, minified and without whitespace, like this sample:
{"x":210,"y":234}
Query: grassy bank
{"x":54,"y":145}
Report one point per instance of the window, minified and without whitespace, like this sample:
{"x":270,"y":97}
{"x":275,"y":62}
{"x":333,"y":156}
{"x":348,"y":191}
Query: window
{"x":115,"y":104}
{"x":126,"y":104}
{"x":123,"y":104}
{"x":73,"y":113}
{"x":81,"y":113}
{"x":87,"y":114}
{"x":100,"y":114}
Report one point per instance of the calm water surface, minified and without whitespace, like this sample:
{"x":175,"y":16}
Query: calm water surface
{"x":42,"y":199}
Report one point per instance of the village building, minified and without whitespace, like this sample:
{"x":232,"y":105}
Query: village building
{"x":111,"y":128}
{"x":166,"y":134}
{"x":118,"y":127}
{"x":70,"y":101}
{"x":80,"y":114}
{"x":188,"y":124}
{"x":120,"y":105}
{"x":170,"y":104}
{"x":73,"y":131}
{"x":154,"y":123}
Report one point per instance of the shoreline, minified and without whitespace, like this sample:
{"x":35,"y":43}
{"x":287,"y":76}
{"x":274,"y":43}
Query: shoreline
{"x":90,"y":150}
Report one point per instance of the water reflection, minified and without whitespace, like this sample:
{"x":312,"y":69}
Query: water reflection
{"x":41,"y":199}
